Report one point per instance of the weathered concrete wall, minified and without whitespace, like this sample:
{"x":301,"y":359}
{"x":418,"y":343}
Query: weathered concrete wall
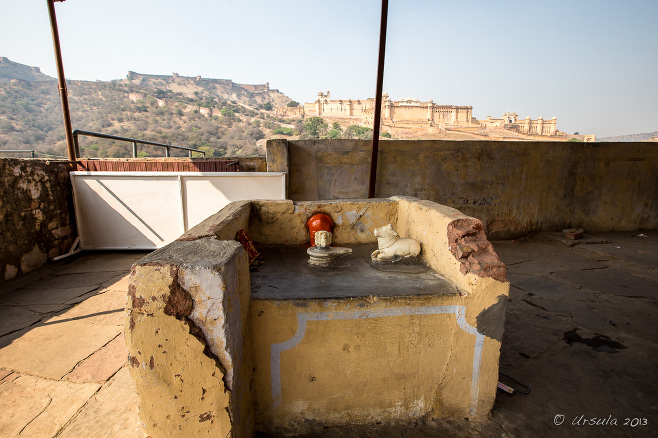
{"x":513,"y":187}
{"x":224,"y":224}
{"x":188,"y":338}
{"x":250,"y":164}
{"x":36,"y":214}
{"x":358,"y":361}
{"x":284,"y":222}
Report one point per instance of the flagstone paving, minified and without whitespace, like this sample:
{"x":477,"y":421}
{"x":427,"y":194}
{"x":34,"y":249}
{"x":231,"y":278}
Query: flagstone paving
{"x":62,"y":352}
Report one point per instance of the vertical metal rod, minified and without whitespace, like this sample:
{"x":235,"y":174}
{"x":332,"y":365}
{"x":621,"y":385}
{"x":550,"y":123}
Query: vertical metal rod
{"x":378,"y":100}
{"x":76,"y":144}
{"x":63,"y":94}
{"x":190,"y":154}
{"x":134,"y":149}
{"x":167,"y":152}
{"x":183,"y":208}
{"x":31,"y":154}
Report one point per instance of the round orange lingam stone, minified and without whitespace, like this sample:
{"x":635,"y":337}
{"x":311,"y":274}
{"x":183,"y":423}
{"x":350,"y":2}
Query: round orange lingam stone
{"x":319,"y":222}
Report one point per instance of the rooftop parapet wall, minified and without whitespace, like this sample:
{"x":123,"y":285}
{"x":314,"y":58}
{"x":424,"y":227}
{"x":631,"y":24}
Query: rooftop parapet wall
{"x":513,"y":187}
{"x":36,"y":214}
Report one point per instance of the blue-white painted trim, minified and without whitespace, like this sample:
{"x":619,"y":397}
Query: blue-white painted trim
{"x":304,"y":317}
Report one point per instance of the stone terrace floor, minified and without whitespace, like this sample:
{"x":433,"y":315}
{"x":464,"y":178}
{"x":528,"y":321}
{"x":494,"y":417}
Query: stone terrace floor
{"x":581,"y":331}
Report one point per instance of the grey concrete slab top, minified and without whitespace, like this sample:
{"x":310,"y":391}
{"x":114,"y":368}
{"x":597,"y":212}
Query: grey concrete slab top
{"x":285,"y":276}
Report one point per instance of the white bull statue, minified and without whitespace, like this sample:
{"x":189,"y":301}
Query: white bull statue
{"x":391,"y":247}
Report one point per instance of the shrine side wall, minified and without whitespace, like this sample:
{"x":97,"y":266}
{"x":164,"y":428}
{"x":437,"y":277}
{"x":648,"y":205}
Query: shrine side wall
{"x":513,"y":187}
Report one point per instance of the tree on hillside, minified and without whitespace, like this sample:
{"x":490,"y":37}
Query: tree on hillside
{"x":315,"y":127}
{"x":283,"y":131}
{"x":6,"y":126}
{"x":335,"y":132}
{"x":293,"y":104}
{"x":254,"y":133}
{"x":358,"y":132}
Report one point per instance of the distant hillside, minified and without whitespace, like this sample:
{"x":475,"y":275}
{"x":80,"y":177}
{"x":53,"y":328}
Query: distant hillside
{"x":216,"y":115}
{"x":12,"y":70}
{"x":631,"y":137}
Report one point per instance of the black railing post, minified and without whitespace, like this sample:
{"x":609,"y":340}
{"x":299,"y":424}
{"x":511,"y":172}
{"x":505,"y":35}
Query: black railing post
{"x":76,"y":145}
{"x":167,"y":151}
{"x":134,"y":149}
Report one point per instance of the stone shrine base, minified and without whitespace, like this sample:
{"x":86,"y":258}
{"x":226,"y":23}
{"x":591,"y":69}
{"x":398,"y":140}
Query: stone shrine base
{"x":578,"y":289}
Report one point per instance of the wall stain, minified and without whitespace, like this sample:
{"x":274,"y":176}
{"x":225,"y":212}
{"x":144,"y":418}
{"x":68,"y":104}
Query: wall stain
{"x":491,"y":321}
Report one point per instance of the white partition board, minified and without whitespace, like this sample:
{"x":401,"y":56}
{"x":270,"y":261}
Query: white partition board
{"x":147,"y":210}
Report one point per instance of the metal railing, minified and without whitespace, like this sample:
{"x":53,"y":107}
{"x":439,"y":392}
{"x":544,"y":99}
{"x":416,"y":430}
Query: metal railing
{"x":31,"y":152}
{"x":134,"y":141}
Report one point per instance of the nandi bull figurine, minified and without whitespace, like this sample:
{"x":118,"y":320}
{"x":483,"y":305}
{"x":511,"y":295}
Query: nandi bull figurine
{"x":392,"y":248}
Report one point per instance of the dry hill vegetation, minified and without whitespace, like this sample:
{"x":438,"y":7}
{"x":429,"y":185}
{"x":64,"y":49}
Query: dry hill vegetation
{"x":216,"y":116}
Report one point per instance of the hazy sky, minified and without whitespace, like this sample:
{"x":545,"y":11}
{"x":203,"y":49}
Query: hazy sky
{"x":591,"y":63}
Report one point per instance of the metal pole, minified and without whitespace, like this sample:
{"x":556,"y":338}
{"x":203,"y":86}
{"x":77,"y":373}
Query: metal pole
{"x":167,"y":152}
{"x":63,"y":94}
{"x":378,"y":100}
{"x":134,"y":149}
{"x":76,"y":144}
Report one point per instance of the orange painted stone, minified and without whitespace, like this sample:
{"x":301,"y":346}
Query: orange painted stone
{"x":319,"y":222}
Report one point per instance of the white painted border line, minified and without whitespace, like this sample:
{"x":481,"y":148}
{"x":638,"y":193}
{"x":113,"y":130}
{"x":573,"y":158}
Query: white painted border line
{"x":303,"y":317}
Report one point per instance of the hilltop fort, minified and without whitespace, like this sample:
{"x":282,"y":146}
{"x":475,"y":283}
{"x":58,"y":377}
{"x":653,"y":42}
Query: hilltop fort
{"x":248,"y":94}
{"x":413,"y":113}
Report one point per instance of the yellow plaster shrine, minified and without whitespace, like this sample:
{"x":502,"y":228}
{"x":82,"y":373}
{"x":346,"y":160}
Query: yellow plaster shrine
{"x":234,"y":364}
